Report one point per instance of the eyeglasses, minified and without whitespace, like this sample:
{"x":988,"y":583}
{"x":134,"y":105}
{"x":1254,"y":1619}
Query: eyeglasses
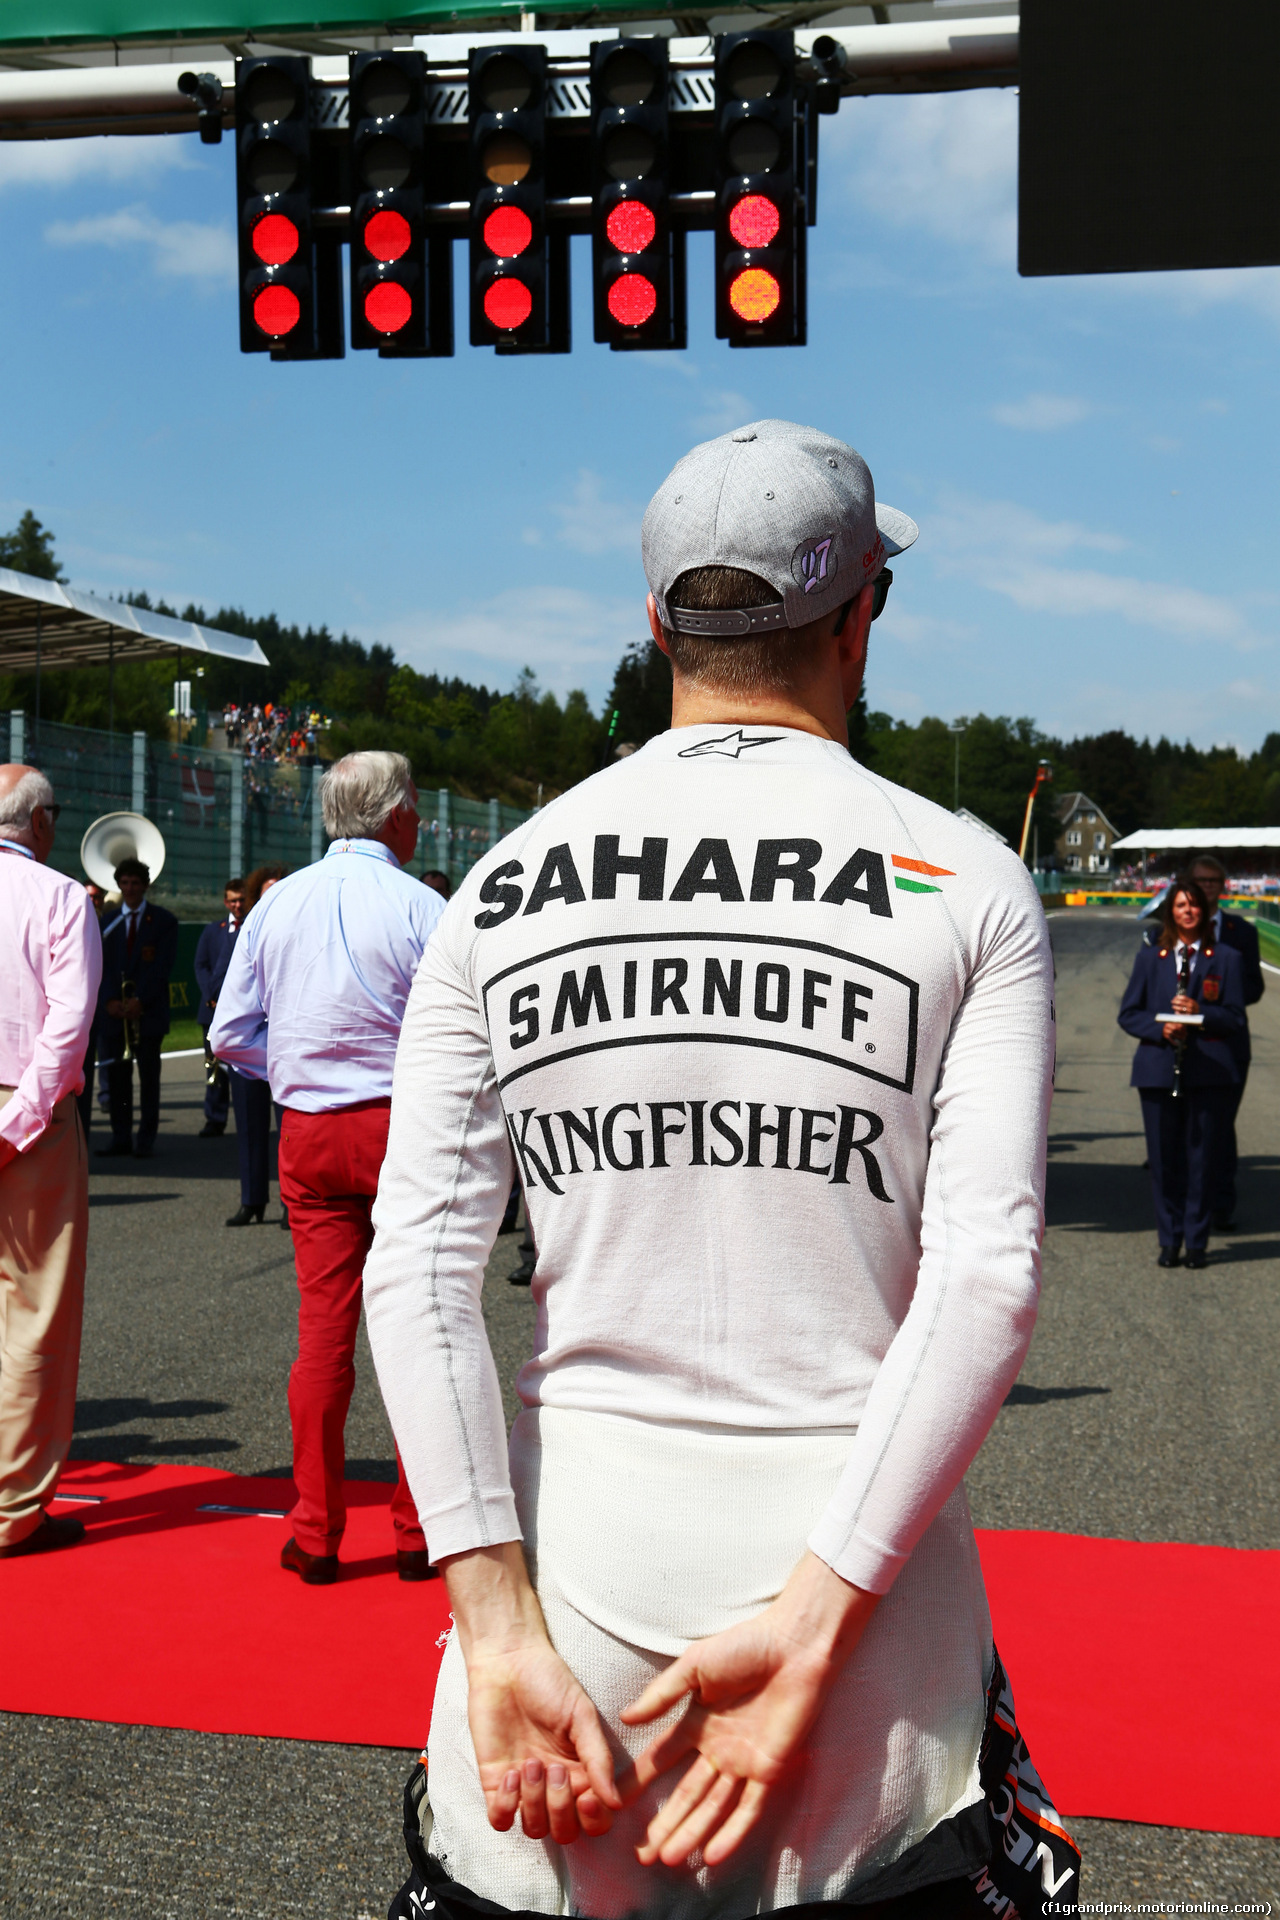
{"x":881,"y":585}
{"x":53,"y":811}
{"x":880,"y":593}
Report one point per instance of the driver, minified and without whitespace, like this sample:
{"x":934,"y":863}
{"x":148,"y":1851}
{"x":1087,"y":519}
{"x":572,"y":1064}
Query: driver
{"x":769,"y":1043}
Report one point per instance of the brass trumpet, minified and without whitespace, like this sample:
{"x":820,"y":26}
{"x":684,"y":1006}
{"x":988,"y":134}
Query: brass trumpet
{"x":132,"y":1029}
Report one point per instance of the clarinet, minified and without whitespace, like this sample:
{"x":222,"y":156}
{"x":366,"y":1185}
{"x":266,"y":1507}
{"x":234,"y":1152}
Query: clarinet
{"x":1180,"y":1044}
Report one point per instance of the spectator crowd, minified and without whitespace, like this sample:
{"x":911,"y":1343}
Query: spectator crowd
{"x":284,"y":735}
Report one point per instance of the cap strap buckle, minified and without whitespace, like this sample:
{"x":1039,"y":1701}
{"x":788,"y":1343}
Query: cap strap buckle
{"x":727,"y":624}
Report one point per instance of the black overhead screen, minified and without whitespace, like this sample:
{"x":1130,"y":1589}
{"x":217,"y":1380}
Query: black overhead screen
{"x":1149,"y":135}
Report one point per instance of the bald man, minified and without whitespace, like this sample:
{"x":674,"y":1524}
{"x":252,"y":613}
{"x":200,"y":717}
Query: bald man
{"x":51,"y":964}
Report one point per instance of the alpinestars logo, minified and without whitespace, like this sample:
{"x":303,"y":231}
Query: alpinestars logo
{"x":730,"y":747}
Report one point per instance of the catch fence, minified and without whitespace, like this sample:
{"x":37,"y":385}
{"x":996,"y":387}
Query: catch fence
{"x":222,"y":813}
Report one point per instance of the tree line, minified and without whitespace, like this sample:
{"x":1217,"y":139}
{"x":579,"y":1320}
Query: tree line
{"x":1137,"y":783}
{"x":486,"y":743}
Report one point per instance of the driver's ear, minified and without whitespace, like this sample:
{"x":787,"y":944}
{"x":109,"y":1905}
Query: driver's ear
{"x":655,"y":626}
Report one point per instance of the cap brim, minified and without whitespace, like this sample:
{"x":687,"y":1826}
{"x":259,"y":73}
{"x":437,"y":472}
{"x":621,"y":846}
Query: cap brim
{"x":896,"y":530}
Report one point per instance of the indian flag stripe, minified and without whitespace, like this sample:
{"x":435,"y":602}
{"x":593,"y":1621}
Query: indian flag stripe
{"x":914,"y":886}
{"x":921,"y":866}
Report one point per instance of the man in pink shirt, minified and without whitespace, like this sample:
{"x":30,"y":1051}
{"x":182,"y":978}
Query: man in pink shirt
{"x":51,"y":965}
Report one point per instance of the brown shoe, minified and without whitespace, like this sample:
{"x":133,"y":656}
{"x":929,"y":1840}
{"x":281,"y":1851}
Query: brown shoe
{"x":415,"y":1566}
{"x":316,"y":1569}
{"x":48,"y":1536}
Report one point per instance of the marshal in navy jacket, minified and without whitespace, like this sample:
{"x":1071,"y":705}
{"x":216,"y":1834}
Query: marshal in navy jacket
{"x":1241,"y":934}
{"x":155,"y":949}
{"x":1211,"y":1058}
{"x":213,"y":956}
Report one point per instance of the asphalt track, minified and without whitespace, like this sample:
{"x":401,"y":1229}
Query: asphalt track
{"x":1145,"y":1410}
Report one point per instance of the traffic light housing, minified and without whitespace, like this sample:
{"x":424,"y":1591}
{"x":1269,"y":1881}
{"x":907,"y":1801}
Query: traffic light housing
{"x":290,"y":284}
{"x":637,"y":259}
{"x":760,"y":174}
{"x":519,"y":270}
{"x":401,"y":283}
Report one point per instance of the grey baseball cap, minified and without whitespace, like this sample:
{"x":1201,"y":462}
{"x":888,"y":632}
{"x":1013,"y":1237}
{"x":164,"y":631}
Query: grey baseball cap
{"x":788,"y":503}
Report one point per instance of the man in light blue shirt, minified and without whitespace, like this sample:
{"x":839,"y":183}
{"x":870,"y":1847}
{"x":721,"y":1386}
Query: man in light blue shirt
{"x":312,"y":1003}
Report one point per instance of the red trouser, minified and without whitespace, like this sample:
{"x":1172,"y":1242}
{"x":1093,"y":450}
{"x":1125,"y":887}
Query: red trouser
{"x":329,"y":1165}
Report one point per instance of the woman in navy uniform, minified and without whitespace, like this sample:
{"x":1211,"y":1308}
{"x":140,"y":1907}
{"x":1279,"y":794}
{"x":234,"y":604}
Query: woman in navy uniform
{"x":1185,"y":1075}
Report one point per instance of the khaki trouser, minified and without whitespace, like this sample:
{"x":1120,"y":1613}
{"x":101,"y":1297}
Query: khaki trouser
{"x":44,"y":1231}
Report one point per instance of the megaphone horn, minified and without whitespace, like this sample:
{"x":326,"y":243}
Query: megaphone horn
{"x":120,"y":836}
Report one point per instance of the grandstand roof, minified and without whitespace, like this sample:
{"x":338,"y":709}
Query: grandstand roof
{"x":41,"y":620}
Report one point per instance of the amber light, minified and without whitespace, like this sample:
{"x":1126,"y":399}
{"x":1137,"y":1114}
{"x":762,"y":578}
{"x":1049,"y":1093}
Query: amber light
{"x":274,"y":239}
{"x":508,"y":304}
{"x":507,"y":232}
{"x":388,"y":306}
{"x":276,"y":310}
{"x":631,"y":227}
{"x":754,"y":220}
{"x":387,"y":235}
{"x":632,"y":299}
{"x":754,"y":294}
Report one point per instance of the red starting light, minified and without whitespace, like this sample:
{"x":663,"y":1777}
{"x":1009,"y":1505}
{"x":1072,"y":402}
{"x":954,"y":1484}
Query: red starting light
{"x":631,"y":227}
{"x":507,"y":304}
{"x":388,"y":306}
{"x":754,"y":294}
{"x":276,"y":310}
{"x":632,"y":299}
{"x":507,"y":232}
{"x":754,"y":222}
{"x":387,"y":235}
{"x":275,"y":239}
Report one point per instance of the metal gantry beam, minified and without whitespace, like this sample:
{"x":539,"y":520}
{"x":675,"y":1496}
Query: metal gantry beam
{"x":918,"y":56}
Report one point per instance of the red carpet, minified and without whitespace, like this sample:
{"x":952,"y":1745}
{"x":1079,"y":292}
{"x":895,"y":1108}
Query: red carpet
{"x":171,"y":1617}
{"x":1147,"y":1678}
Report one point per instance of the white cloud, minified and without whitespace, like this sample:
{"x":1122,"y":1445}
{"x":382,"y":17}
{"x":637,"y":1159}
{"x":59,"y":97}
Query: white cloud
{"x":946,"y":163}
{"x":1011,"y":550}
{"x":714,"y":409}
{"x":591,"y":524}
{"x":679,"y":363}
{"x":181,"y":248}
{"x":91,"y":566}
{"x":1194,"y":293}
{"x":1041,"y":413}
{"x":970,"y":526}
{"x":1183,"y":611}
{"x":570,"y":638}
{"x":1165,"y":706}
{"x":923,"y":631}
{"x":721,"y":410}
{"x":65,"y":163}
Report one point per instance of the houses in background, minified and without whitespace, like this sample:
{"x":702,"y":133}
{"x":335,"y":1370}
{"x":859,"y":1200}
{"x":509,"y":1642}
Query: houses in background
{"x":1084,"y":843}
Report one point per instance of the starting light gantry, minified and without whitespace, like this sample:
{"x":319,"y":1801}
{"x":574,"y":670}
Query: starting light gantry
{"x":518,"y":153}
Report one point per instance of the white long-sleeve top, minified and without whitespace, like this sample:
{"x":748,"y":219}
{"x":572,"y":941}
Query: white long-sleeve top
{"x":315,"y":991}
{"x":770,"y":1041}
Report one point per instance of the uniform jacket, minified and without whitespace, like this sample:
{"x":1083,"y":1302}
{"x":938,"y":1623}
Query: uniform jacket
{"x":1241,"y":934}
{"x":213,"y":957}
{"x":1212,"y":1051}
{"x":155,"y":949}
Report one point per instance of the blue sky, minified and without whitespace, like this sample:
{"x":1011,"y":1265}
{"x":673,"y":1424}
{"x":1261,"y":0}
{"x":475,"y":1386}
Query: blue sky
{"x":1092,"y":462}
